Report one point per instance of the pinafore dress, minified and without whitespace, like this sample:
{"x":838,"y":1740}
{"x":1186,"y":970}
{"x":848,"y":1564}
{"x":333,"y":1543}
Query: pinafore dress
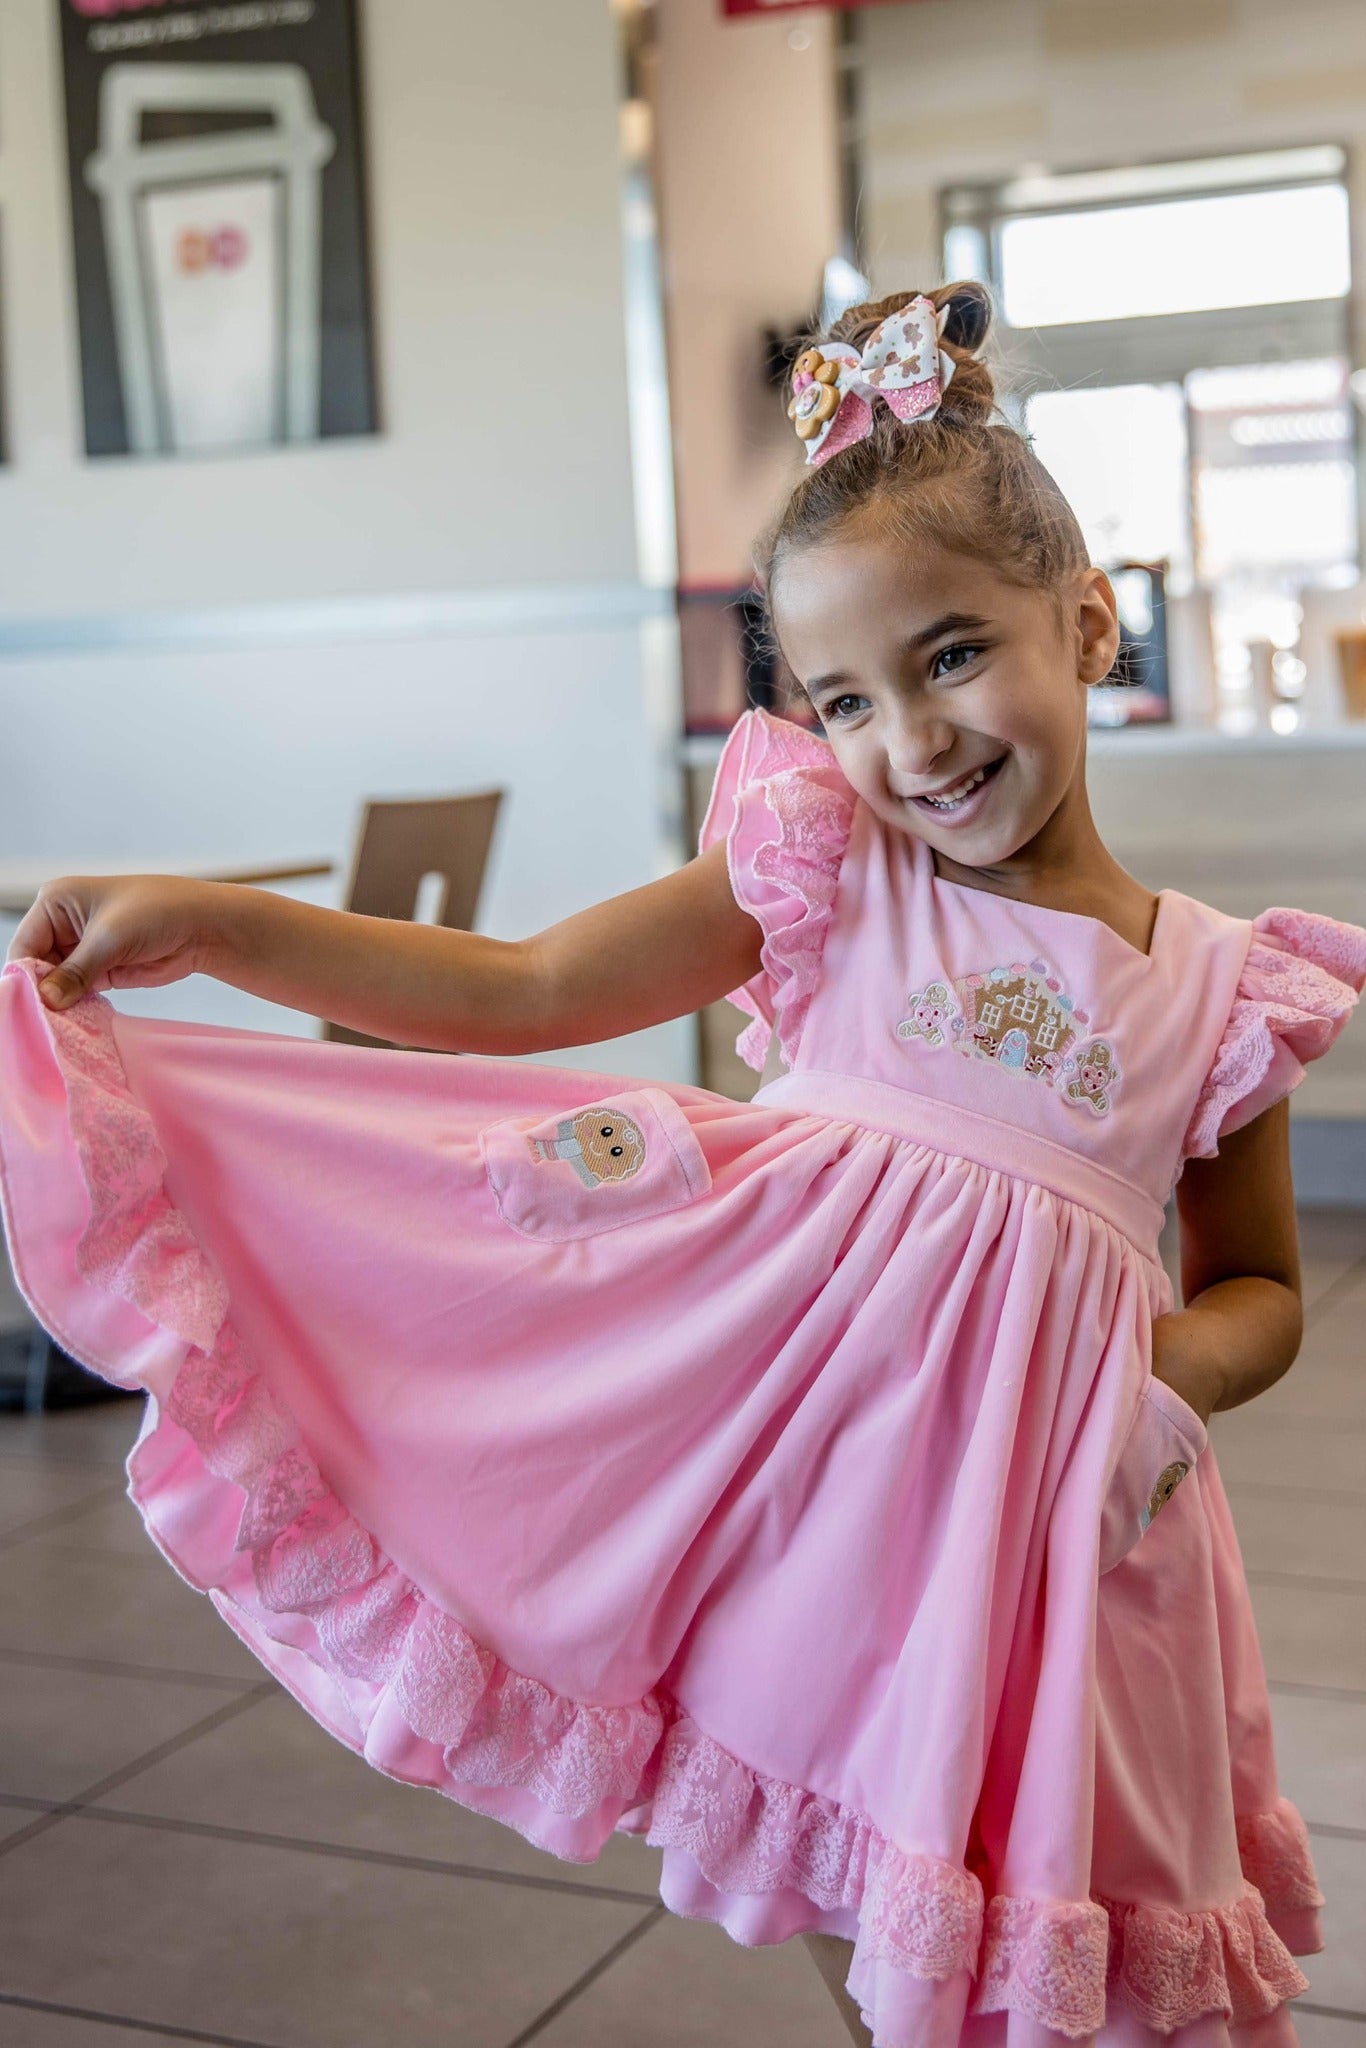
{"x":785,"y":1482}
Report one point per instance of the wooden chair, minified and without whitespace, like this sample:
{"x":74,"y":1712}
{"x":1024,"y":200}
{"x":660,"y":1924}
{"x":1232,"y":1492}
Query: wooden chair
{"x":400,"y":845}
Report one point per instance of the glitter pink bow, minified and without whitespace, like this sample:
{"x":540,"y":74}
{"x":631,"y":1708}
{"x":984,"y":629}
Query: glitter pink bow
{"x":833,"y":385}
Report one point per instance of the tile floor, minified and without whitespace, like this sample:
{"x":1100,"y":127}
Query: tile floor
{"x":185,"y":1856}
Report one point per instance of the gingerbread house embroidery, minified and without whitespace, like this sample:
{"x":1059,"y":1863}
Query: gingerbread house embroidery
{"x":1023,"y":1018}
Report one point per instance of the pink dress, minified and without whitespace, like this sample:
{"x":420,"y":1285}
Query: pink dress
{"x":785,"y":1482}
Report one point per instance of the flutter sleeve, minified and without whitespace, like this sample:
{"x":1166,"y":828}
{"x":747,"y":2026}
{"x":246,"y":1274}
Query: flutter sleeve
{"x":784,"y":809}
{"x":1298,"y":987}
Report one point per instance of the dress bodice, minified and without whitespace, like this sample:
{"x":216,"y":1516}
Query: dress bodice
{"x":1034,"y":1041}
{"x":1041,"y":1021}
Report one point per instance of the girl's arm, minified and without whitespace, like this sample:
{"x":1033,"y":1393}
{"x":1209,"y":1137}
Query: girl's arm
{"x":1240,"y":1271}
{"x":638,"y":959}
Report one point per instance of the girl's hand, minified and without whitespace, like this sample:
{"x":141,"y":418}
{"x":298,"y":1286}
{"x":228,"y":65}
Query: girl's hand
{"x":116,"y":931}
{"x":1182,"y":1358}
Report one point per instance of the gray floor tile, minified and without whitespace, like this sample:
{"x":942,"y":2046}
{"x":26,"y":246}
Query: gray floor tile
{"x":112,"y":1524}
{"x":1321,"y":1757}
{"x":1324,"y":1285}
{"x":1312,"y":1639}
{"x":1338,"y":1976}
{"x":275,"y":1771}
{"x":1320,"y":1538}
{"x":61,"y":1731}
{"x":102,"y":1435}
{"x":1349,"y":1280}
{"x":1332,"y":1244}
{"x":1334,"y":1332}
{"x":1253,"y":1445}
{"x":1317,"y":2030}
{"x":24,"y":2028}
{"x":287,"y":1949}
{"x":12,"y":1818}
{"x":1328,"y":1380}
{"x":33,"y":1488}
{"x":129,"y":1609}
{"x":686,"y":1984}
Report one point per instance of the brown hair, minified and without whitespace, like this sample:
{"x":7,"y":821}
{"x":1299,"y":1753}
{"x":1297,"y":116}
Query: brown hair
{"x":959,"y":480}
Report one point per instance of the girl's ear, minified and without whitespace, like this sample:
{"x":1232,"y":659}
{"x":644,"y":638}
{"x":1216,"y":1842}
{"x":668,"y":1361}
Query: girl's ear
{"x":1097,"y":618}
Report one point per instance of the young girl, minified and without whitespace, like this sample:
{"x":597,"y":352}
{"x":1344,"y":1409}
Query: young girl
{"x":820,"y":1486}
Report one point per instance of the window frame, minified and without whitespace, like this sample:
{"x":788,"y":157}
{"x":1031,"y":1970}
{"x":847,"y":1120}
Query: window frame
{"x":1159,"y":345}
{"x":1162,"y":348}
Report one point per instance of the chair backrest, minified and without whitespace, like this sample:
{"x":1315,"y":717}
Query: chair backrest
{"x":400,"y":844}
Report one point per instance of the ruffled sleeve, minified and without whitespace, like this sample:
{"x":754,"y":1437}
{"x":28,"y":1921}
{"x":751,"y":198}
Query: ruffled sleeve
{"x":784,"y":809}
{"x":1299,"y":985}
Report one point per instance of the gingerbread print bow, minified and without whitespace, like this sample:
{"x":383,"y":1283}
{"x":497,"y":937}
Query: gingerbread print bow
{"x":833,"y":386}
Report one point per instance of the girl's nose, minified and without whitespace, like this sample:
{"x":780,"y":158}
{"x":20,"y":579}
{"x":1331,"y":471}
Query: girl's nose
{"x":917,"y":747}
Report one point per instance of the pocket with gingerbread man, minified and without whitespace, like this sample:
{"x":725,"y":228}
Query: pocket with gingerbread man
{"x":609,"y":1163}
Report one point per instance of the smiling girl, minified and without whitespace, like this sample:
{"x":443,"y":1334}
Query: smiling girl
{"x":819,"y":1487}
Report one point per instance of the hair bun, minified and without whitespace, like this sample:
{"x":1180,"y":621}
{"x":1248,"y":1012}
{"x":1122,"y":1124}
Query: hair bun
{"x":969,"y":316}
{"x":968,"y":322}
{"x":971,"y":397}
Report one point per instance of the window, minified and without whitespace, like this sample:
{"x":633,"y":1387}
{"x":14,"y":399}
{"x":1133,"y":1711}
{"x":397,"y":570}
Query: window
{"x":1177,"y":336}
{"x":1176,"y":256}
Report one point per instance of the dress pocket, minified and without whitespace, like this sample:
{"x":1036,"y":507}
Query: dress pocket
{"x":1165,"y":1438}
{"x":583,"y":1171}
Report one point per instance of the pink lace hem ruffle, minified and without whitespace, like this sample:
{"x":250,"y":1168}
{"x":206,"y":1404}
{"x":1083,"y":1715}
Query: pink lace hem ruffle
{"x":1298,"y":987}
{"x":1172,"y":1967}
{"x":1058,"y":1961}
{"x":1273,"y":1848}
{"x":785,"y":809}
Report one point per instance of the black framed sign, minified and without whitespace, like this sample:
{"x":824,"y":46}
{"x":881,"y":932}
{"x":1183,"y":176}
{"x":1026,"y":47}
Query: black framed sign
{"x":218,"y":214}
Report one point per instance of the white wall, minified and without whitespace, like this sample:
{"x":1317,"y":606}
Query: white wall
{"x":504,"y":464}
{"x":226,"y":757}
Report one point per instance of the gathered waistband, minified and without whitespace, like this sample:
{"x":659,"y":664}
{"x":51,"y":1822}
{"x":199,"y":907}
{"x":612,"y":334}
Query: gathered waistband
{"x":967,"y":1134}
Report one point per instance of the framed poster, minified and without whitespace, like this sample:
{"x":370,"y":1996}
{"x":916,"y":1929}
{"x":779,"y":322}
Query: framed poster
{"x":218,"y":217}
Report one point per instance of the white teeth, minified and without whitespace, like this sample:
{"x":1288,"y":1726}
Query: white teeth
{"x":951,"y":797}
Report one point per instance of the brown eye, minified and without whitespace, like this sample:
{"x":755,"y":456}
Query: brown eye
{"x":950,"y":660}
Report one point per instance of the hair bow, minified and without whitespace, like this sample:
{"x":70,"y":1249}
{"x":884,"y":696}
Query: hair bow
{"x":833,"y":386}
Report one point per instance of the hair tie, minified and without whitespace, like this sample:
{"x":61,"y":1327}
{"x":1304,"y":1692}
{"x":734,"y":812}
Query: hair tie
{"x":833,"y":386}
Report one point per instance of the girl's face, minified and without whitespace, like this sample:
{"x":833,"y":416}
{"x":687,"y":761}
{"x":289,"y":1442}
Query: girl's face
{"x":955,"y":701}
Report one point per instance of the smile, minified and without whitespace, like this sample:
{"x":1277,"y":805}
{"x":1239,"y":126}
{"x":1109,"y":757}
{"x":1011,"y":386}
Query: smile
{"x":961,"y":795}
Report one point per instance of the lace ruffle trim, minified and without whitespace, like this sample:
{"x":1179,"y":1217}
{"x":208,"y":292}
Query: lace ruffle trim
{"x":1172,"y":1967}
{"x":1064,"y":1965}
{"x":748,"y":1833}
{"x":1298,"y":987}
{"x":790,"y":825}
{"x":1273,"y":1848}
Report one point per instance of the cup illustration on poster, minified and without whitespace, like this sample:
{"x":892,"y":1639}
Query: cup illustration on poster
{"x":219,"y":223}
